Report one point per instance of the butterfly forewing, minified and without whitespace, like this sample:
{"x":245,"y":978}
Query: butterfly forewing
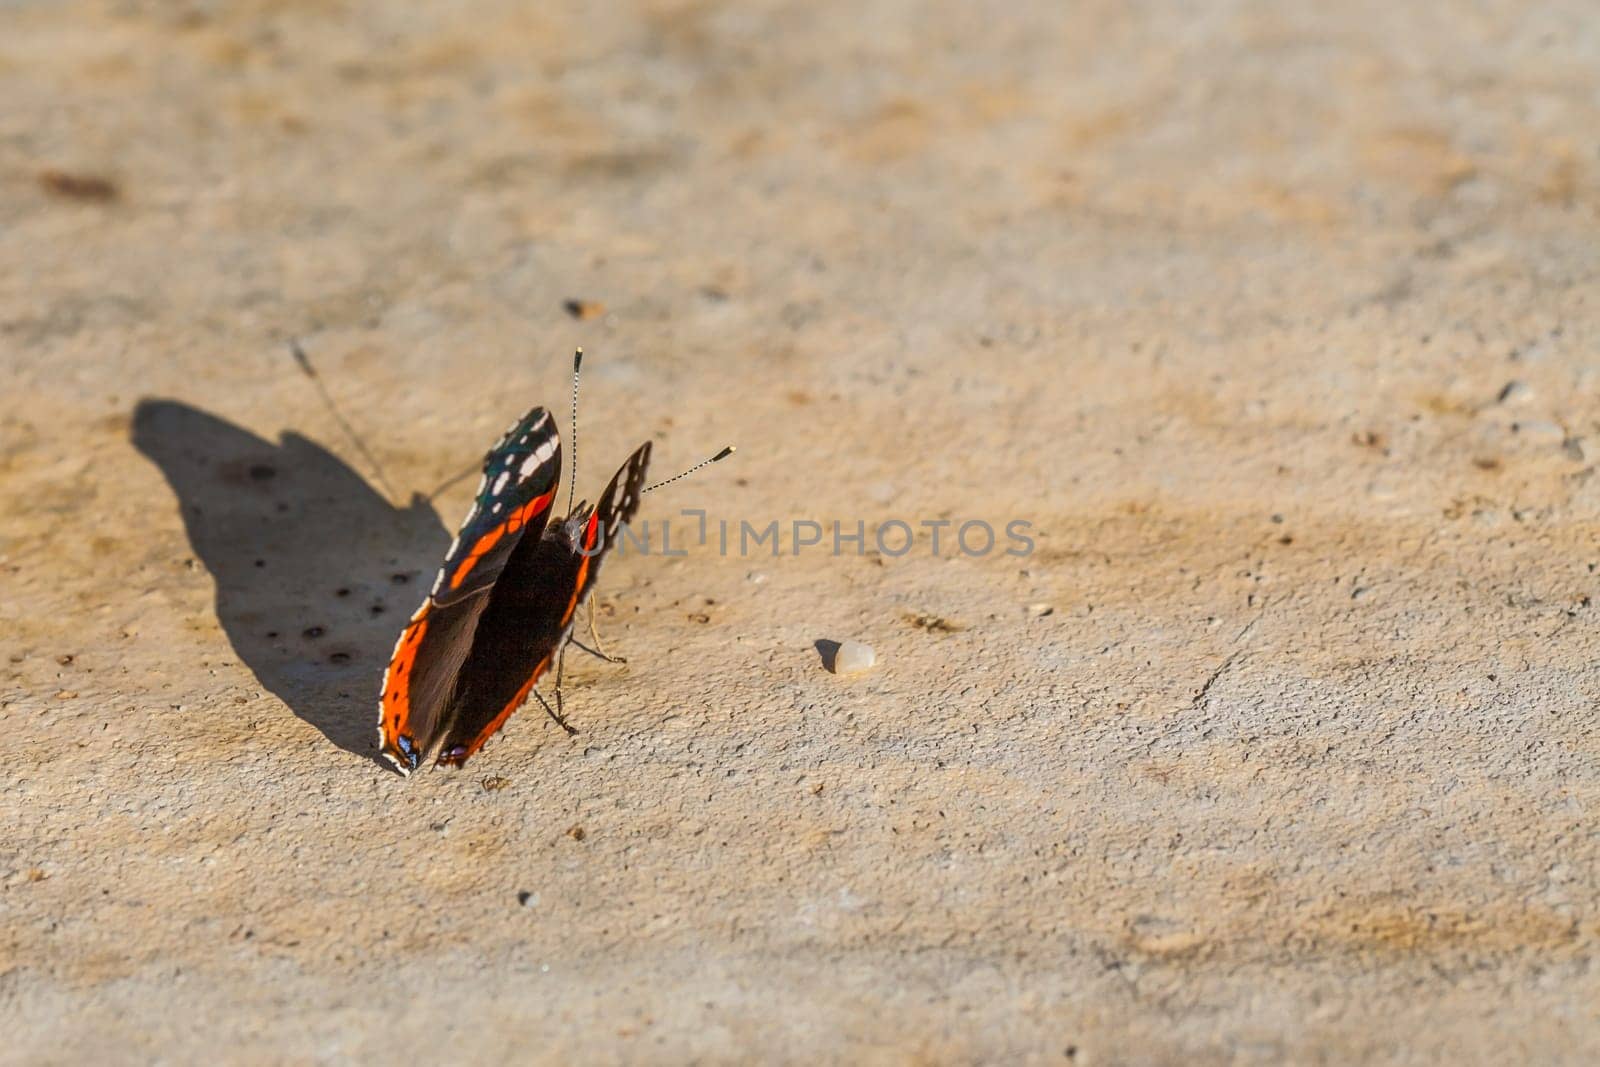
{"x":520,"y":475}
{"x":512,"y":506}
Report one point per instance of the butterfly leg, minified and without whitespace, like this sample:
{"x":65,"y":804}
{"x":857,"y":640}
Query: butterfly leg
{"x":561,"y":666}
{"x":594,"y":635}
{"x":555,"y":717}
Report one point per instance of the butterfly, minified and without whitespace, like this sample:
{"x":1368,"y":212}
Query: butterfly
{"x":502,"y":607}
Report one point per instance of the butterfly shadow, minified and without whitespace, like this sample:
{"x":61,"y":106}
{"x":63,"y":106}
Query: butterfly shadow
{"x":315,"y":571}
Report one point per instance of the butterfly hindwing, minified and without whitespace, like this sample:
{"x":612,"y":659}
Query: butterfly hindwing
{"x":530,"y":612}
{"x":512,"y":506}
{"x":515,"y":644}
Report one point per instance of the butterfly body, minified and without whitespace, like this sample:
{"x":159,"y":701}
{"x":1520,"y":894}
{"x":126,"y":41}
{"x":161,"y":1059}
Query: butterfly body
{"x":502,"y":606}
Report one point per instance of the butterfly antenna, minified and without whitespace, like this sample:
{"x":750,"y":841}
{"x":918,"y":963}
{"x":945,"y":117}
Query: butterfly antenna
{"x":572,"y":488}
{"x":724,"y":454}
{"x":304,"y":363}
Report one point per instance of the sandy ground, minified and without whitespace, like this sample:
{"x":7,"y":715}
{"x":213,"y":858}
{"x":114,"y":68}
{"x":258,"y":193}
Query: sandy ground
{"x":1278,"y":324}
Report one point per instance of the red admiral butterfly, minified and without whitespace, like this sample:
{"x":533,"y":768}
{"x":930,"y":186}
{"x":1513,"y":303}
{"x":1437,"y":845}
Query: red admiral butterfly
{"x":502,"y":607}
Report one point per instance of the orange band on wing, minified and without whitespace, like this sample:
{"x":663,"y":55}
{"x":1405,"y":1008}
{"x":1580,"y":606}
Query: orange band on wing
{"x":583,"y":568}
{"x":517,"y":520}
{"x":396,"y":708}
{"x":499,"y":720}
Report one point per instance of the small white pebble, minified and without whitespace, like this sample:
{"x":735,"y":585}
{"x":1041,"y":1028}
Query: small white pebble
{"x":1539,"y":431}
{"x":1515,"y":392}
{"x":1385,"y":487}
{"x":853,"y":657}
{"x":1041,"y":609}
{"x":1531,"y":352}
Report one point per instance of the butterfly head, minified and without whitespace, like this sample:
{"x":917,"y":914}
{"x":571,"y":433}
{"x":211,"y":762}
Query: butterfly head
{"x":573,"y":525}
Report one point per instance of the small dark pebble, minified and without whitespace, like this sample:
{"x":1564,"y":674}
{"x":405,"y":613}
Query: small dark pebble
{"x":78,"y":186}
{"x":339,"y":657}
{"x":341,"y":592}
{"x":583,"y":310}
{"x":262,"y":472}
{"x":399,"y":579}
{"x":378,"y":609}
{"x":261,"y":563}
{"x":313,"y":631}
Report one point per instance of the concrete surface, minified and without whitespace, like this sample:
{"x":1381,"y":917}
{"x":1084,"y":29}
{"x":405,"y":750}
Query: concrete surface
{"x":1278,"y":322}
